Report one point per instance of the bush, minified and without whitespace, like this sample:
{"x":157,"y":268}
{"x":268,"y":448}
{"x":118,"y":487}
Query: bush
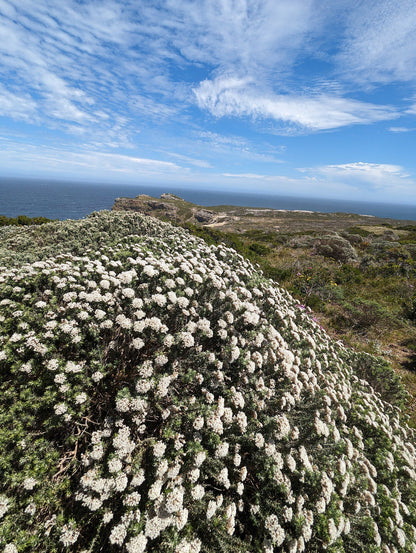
{"x":349,"y":274}
{"x":336,"y":248}
{"x":259,"y":249}
{"x":22,"y":220}
{"x":160,"y":395}
{"x":412,"y":309}
{"x":361,"y":315}
{"x":278,"y":274}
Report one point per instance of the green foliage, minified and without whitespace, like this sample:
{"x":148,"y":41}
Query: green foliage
{"x":259,"y":249}
{"x":278,"y":274}
{"x":22,"y":220}
{"x":360,"y":231}
{"x":140,"y":348}
{"x":381,"y":376}
{"x":336,"y":247}
{"x":412,"y":309}
{"x":361,"y":315}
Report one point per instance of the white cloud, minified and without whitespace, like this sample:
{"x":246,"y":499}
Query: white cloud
{"x":149,"y":106}
{"x":79,"y":62}
{"x":401,"y":129}
{"x":221,"y":139}
{"x":113,"y":72}
{"x":85,"y":63}
{"x":190,"y":160}
{"x":244,"y":175}
{"x":238,"y":146}
{"x":357,"y":180}
{"x":371,"y":172}
{"x":16,"y":106}
{"x":379,"y":43}
{"x":239,"y":97}
{"x":411,"y":110}
{"x":388,"y":182}
{"x":84,"y":162}
{"x":250,"y":35}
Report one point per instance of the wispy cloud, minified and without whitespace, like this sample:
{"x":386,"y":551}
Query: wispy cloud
{"x":411,"y":110}
{"x":85,"y":162}
{"x":190,"y":160}
{"x":401,"y":129}
{"x":17,"y":106}
{"x":79,"y":64}
{"x":82,"y":64}
{"x":234,"y":97}
{"x":392,"y":182}
{"x":365,"y":171}
{"x":238,"y":145}
{"x":209,"y":87}
{"x":244,"y":175}
{"x":226,"y":34}
{"x":379,"y":44}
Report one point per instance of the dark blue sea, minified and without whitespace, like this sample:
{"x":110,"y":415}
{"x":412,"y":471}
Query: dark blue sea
{"x":69,"y":200}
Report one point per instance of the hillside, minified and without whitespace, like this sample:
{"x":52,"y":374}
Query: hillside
{"x":161,"y":395}
{"x":357,"y":273}
{"x":238,"y":219}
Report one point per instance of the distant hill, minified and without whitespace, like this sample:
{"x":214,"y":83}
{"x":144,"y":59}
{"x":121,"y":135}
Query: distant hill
{"x":158,"y":394}
{"x":233,"y":218}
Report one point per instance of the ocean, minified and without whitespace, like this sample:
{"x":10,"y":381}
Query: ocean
{"x":70,"y":200}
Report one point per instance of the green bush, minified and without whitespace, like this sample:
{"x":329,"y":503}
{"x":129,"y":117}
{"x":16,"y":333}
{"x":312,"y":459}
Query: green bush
{"x":336,"y":247}
{"x":349,"y":274}
{"x":412,"y":309}
{"x":22,"y":220}
{"x":361,"y":315}
{"x":360,"y":231}
{"x":259,"y":249}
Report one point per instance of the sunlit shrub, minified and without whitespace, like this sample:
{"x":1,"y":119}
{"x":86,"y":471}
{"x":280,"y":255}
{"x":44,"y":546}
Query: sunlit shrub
{"x":161,"y":395}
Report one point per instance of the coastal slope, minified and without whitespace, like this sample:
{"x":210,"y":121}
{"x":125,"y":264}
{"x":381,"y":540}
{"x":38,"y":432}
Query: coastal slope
{"x":159,"y":394}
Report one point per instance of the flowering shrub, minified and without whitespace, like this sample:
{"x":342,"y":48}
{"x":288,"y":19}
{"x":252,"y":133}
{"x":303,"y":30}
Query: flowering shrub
{"x":160,"y":395}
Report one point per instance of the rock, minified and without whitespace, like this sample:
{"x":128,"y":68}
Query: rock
{"x":204,"y":215}
{"x":170,"y":196}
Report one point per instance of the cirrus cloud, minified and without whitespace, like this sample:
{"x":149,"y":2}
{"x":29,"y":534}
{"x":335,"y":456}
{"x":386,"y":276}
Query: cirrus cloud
{"x":234,"y":97}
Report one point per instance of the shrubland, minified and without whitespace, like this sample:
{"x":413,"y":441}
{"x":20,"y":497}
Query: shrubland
{"x":161,"y":394}
{"x":360,"y":283}
{"x":22,"y":220}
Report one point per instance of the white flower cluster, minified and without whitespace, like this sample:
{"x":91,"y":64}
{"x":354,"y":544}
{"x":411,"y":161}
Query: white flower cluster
{"x":4,"y":505}
{"x":198,"y":397}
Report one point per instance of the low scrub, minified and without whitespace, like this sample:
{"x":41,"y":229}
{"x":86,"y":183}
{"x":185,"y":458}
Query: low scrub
{"x":161,"y":395}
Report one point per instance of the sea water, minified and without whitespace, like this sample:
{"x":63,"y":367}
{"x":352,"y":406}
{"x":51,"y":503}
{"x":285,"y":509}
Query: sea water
{"x":75,"y":200}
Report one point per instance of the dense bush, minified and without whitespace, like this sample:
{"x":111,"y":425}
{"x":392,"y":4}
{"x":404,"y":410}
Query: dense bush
{"x":361,"y":315}
{"x":22,"y":220}
{"x":259,"y":249}
{"x":336,"y":247}
{"x":161,"y":395}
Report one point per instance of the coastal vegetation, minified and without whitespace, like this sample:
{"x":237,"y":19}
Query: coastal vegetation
{"x":357,"y":273}
{"x":22,"y":220}
{"x":162,"y":394}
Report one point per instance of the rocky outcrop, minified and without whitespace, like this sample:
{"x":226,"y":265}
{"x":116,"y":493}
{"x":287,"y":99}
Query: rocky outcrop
{"x":147,"y":205}
{"x":203,"y":215}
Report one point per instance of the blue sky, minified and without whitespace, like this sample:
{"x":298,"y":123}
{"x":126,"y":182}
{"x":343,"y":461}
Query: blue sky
{"x":299,"y":97}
